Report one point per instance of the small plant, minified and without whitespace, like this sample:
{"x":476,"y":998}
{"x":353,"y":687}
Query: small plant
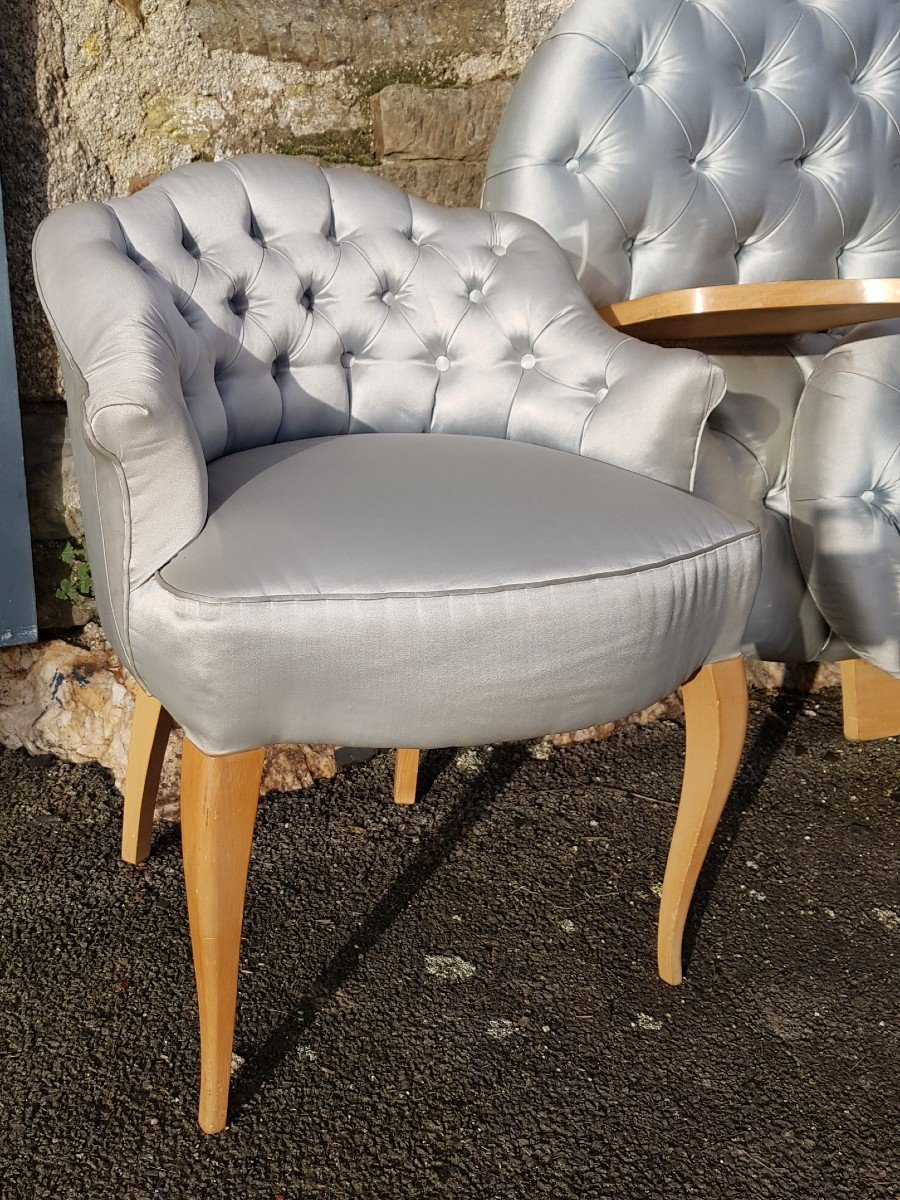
{"x":78,"y":582}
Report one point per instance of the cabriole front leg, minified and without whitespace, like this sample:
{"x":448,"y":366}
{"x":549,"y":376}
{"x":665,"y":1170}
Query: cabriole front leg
{"x":715,"y":710}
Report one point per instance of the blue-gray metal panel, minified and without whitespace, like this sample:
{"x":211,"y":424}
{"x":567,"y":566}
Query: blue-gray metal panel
{"x":18,"y":622}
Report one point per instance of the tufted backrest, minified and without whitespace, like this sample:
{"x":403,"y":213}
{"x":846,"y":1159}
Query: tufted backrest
{"x":679,"y":143}
{"x":295,"y":302}
{"x":257,"y":300}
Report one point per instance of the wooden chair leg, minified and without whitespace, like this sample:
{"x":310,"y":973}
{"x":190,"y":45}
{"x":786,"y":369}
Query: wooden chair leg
{"x":715,"y":705}
{"x":871,"y":702}
{"x":406,"y":771}
{"x":150,"y":731}
{"x":218,"y":811}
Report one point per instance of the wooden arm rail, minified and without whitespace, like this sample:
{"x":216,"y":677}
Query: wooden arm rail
{"x":744,"y":309}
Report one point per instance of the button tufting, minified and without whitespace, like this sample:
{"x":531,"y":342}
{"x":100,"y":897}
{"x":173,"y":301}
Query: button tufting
{"x":442,"y":362}
{"x":476,"y":295}
{"x":306,"y":300}
{"x":868,"y":496}
{"x":347,"y":359}
{"x":628,"y":245}
{"x":238,"y":304}
{"x":499,"y":250}
{"x":527,"y":361}
{"x":636,"y":77}
{"x":573,"y":165}
{"x":388,"y":298}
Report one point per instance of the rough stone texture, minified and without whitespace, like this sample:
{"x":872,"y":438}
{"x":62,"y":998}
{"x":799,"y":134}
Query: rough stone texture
{"x":50,"y":473}
{"x":793,"y":677}
{"x":332,"y":33}
{"x":76,"y":703}
{"x":453,"y":183}
{"x":411,"y":122}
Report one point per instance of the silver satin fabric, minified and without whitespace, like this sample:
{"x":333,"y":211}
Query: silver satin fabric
{"x":668,"y":144}
{"x":246,"y":306}
{"x":411,"y":589}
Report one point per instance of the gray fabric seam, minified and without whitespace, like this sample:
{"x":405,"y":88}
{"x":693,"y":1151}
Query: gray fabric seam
{"x":448,"y":592}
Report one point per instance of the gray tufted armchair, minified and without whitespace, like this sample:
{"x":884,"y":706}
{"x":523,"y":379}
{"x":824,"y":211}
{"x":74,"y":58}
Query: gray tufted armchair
{"x":506,"y":545}
{"x":688,"y":153}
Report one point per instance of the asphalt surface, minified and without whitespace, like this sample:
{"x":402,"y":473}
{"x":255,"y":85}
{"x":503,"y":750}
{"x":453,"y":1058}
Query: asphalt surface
{"x":460,"y":999}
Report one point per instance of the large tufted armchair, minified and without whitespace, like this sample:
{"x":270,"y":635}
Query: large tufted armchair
{"x":691,"y":152}
{"x":506,"y":544}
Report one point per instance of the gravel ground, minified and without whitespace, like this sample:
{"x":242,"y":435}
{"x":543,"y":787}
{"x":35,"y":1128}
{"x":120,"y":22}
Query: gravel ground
{"x":460,"y":999}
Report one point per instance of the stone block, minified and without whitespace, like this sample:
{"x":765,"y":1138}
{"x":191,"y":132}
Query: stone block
{"x":457,"y":184}
{"x":359,"y":33}
{"x":459,"y":124}
{"x":77,"y":702}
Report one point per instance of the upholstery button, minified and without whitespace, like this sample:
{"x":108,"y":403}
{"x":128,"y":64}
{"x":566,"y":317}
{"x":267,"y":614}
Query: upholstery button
{"x":347,"y":359}
{"x":238,"y":304}
{"x":527,"y":361}
{"x":388,"y":298}
{"x":868,"y":496}
{"x":442,"y":362}
{"x":573,"y":165}
{"x":799,"y":162}
{"x":628,"y":245}
{"x":476,"y":296}
{"x":306,"y":300}
{"x":636,"y":77}
{"x":499,"y":250}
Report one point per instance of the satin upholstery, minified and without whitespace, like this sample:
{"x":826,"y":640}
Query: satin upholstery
{"x":845,"y":490}
{"x":677,"y":143}
{"x":451,"y":589}
{"x":249,"y":306}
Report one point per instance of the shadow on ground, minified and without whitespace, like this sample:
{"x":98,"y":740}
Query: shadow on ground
{"x":459,"y":999}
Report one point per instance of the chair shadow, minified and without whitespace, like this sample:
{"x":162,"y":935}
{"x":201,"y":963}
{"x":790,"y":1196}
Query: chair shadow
{"x":756,"y":765}
{"x":475,"y":800}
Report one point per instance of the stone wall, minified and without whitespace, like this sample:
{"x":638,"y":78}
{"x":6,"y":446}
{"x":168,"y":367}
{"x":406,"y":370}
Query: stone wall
{"x":98,"y":96}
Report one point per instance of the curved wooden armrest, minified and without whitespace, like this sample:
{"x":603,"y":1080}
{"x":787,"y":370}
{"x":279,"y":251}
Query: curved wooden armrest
{"x":740,"y":309}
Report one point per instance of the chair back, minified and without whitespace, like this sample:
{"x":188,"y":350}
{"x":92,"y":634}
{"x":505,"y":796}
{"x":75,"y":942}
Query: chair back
{"x":670,"y":144}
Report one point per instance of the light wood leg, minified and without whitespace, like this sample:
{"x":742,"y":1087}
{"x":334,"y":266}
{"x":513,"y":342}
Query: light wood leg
{"x":871,"y":702}
{"x":715,"y":706}
{"x":218,"y":811}
{"x":150,"y":731}
{"x":406,"y":772}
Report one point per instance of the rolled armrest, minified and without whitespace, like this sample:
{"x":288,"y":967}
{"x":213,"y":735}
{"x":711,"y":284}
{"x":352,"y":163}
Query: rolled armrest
{"x":141,"y":470}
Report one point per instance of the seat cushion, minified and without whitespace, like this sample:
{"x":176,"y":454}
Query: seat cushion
{"x":423,"y":589}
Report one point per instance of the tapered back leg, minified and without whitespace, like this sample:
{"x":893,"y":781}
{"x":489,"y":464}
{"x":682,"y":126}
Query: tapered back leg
{"x":715,"y":708}
{"x":406,"y":772}
{"x":871,"y":702}
{"x":218,"y":810}
{"x":150,"y":731}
